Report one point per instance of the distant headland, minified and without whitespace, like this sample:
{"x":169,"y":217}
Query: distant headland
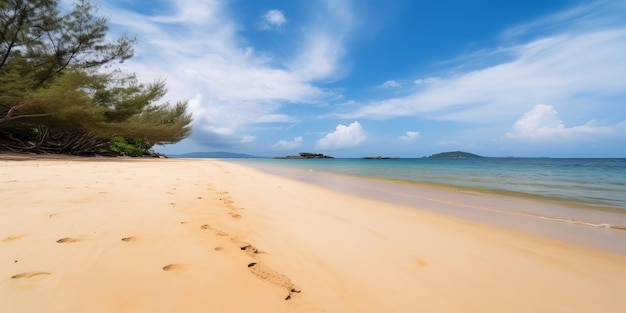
{"x":454,"y":155}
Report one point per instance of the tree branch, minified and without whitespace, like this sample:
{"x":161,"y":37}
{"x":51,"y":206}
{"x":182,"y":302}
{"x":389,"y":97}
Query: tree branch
{"x":9,"y":115}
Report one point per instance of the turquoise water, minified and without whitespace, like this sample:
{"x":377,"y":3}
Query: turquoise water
{"x":582,"y":201}
{"x":593,"y":182}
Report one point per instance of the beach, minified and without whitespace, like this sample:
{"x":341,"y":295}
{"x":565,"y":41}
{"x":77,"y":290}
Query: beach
{"x":199,"y":235}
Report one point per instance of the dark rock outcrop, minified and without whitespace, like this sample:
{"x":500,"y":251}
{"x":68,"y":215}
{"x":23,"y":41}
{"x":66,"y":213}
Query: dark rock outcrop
{"x":306,"y":155}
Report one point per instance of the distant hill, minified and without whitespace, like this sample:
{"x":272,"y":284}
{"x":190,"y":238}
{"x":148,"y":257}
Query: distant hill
{"x":454,"y":155}
{"x":220,"y":155}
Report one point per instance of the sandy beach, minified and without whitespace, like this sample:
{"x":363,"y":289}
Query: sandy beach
{"x":173,"y":235}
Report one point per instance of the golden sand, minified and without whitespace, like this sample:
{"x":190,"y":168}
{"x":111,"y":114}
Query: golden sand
{"x":129,"y":235}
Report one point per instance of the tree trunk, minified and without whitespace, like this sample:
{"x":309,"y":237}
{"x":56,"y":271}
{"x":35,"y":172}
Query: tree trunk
{"x":75,"y":142}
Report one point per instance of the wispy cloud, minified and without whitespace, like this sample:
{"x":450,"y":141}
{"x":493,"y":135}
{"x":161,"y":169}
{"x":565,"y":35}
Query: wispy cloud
{"x":428,"y":80}
{"x":589,"y":14}
{"x":569,"y":66}
{"x":323,"y":47}
{"x":390,"y":84}
{"x":231,"y":85}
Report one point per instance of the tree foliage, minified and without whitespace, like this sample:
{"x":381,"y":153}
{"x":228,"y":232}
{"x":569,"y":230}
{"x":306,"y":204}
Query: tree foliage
{"x":131,"y":147}
{"x":54,"y":94}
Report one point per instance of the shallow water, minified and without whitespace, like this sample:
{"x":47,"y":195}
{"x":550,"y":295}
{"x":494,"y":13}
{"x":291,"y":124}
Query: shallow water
{"x":548,"y":202}
{"x":593,"y":182}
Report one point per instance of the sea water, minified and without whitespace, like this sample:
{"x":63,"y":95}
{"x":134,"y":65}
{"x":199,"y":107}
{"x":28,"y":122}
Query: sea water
{"x":593,"y":182}
{"x":578,"y":200}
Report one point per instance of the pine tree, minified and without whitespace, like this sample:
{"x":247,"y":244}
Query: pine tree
{"x":54,"y":96}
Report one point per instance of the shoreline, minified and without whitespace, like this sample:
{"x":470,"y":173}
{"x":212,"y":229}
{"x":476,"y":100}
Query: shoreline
{"x":590,"y":226}
{"x":145,"y":235}
{"x":456,"y":187}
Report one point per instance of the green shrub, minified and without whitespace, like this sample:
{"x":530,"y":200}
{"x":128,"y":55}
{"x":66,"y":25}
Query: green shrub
{"x":129,"y":146}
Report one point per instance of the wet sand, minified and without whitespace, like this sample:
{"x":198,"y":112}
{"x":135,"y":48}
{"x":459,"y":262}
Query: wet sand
{"x":582,"y":225}
{"x":129,"y":235}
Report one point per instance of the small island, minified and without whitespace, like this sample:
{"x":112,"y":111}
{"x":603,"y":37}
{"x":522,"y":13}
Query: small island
{"x":454,"y":155}
{"x":306,"y":155}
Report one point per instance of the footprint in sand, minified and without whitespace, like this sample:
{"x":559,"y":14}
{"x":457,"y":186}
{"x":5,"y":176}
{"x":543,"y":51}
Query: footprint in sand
{"x":13,"y":238}
{"x":235,"y":215}
{"x":275,"y":278}
{"x":250,"y":249}
{"x":29,"y":274}
{"x":221,"y":233}
{"x":68,"y":240}
{"x":420,"y":263}
{"x":227,"y":201}
{"x":174,"y":268}
{"x":130,"y":239}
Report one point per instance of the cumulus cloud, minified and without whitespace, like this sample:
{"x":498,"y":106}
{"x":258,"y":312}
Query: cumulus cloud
{"x":289,"y":145}
{"x":410,"y":135}
{"x":542,"y":123}
{"x":343,"y":137}
{"x":275,"y":18}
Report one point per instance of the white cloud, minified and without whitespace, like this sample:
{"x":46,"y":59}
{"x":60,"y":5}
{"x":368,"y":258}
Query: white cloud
{"x":275,"y":18}
{"x":232,"y":85}
{"x":542,"y":123}
{"x":597,"y":13}
{"x":222,"y":131}
{"x":289,"y":145}
{"x":410,"y":135}
{"x":570,"y":66}
{"x":343,"y":137}
{"x":324,"y":47}
{"x":390,"y":84}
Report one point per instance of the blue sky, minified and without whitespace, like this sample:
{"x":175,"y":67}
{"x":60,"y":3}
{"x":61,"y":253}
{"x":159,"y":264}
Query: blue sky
{"x":404,"y":78}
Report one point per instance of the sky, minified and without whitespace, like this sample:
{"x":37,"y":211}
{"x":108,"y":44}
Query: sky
{"x":398,"y":78}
